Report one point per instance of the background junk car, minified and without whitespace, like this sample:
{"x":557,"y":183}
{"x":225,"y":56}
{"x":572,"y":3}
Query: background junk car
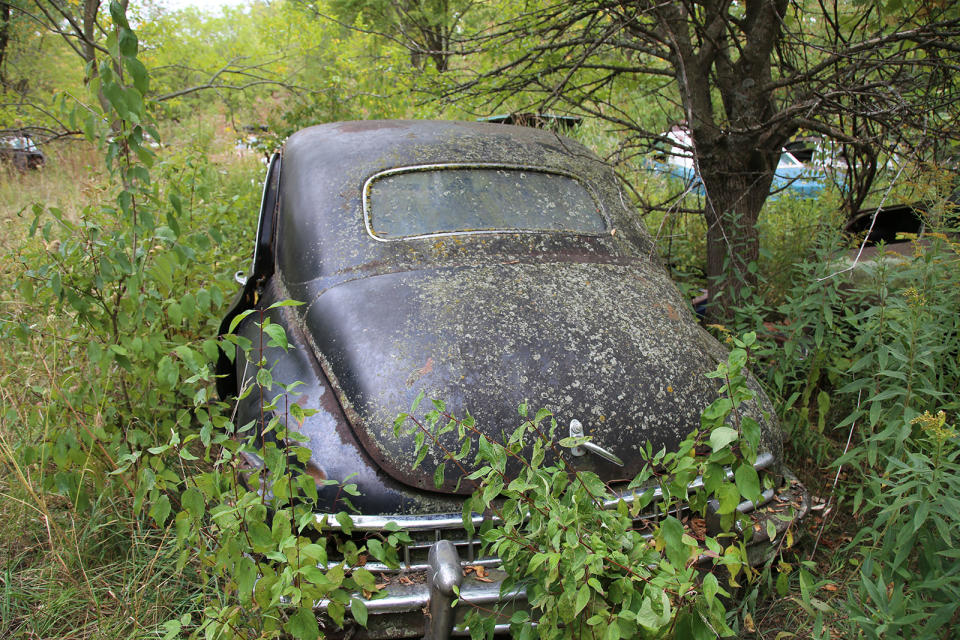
{"x":21,"y":152}
{"x":485,"y":265}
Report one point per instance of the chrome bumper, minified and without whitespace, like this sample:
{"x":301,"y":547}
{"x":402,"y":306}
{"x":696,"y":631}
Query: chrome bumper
{"x":417,"y":601}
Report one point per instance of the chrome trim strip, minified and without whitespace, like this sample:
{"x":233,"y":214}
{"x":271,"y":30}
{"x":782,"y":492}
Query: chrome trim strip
{"x":498,"y":629}
{"x":365,"y":197}
{"x":764,"y":460}
{"x":430,"y":522}
{"x":407,"y":523}
{"x":414,"y":598}
{"x":379,"y":567}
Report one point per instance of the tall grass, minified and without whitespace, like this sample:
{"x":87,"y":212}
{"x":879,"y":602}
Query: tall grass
{"x":73,"y":173}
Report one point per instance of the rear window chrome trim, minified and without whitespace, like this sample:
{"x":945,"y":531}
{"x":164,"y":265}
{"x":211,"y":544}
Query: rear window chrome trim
{"x":367,"y":184}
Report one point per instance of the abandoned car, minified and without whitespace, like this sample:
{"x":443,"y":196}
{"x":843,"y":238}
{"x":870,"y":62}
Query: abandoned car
{"x":21,"y":152}
{"x":803,"y":178}
{"x":485,"y":265}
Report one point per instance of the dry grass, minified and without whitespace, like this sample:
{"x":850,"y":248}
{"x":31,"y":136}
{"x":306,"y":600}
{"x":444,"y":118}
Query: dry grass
{"x":68,"y":570}
{"x":72,"y":174}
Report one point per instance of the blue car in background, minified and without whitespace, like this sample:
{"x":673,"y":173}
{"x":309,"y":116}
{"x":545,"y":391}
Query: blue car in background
{"x":803,"y":180}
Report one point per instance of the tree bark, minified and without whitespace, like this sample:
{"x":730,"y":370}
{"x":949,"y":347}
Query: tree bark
{"x":736,"y":155}
{"x":4,"y":40}
{"x":734,"y":197}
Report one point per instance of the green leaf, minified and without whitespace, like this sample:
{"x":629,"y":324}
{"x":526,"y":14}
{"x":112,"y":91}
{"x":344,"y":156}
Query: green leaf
{"x":173,"y":628}
{"x":175,"y":313}
{"x":771,"y":530}
{"x":650,"y":619}
{"x":264,"y":378}
{"x":671,"y":533}
{"x":260,"y":536}
{"x":168,"y":372}
{"x":117,"y":14}
{"x":346,"y":523}
{"x":721,"y":437}
{"x":116,"y":96}
{"x":416,"y":402}
{"x":365,"y":579}
{"x":303,"y":624}
{"x":710,"y":588}
{"x":583,"y":597}
{"x":612,"y":632}
{"x":713,"y":476}
{"x":237,"y":319}
{"x":336,"y":611}
{"x":193,"y":502}
{"x":715,"y":412}
{"x":127,"y":41}
{"x":160,"y":509}
{"x":748,"y":482}
{"x":245,"y":573}
{"x":751,"y":431}
{"x":729,"y":497}
{"x":438,"y":475}
{"x":359,"y":610}
{"x":278,"y":337}
{"x":285,"y":303}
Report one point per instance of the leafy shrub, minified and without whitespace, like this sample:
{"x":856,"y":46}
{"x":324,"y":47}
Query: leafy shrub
{"x":868,"y":361}
{"x":909,"y":582}
{"x":131,"y":421}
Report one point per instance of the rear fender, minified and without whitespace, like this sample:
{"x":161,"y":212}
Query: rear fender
{"x":335,"y":452}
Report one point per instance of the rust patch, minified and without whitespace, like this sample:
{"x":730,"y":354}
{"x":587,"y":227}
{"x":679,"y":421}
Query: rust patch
{"x":315,"y":471}
{"x":419,"y":373}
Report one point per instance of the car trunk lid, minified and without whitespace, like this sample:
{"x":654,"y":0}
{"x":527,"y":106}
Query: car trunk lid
{"x":608,"y":345}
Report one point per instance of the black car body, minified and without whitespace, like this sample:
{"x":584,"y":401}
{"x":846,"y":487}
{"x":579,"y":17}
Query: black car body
{"x":485,"y":265}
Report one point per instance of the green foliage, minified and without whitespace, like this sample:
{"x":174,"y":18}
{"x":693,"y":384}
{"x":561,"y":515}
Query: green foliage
{"x":865,"y":381}
{"x":908,"y":583}
{"x":601,"y":563}
{"x":275,"y":66}
{"x":138,"y":422}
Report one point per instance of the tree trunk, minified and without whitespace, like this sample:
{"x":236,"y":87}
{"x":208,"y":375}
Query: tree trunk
{"x":734,"y":198}
{"x":4,"y":40}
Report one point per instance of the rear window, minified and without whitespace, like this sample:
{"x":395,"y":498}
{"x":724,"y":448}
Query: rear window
{"x":414,"y":202}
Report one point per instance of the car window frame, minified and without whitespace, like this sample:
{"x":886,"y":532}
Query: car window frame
{"x":451,"y":166}
{"x":262,"y":264}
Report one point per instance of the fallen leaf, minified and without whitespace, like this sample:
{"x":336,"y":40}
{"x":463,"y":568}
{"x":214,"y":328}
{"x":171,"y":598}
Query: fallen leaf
{"x":478,"y":569}
{"x":698,"y":526}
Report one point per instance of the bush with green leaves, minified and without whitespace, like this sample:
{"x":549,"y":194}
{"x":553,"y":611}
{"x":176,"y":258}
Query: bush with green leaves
{"x":909,"y":582}
{"x":868,"y":361}
{"x":603,"y":563}
{"x":131,"y":291}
